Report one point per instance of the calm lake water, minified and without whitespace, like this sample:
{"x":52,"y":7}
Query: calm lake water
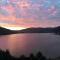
{"x":17,"y":44}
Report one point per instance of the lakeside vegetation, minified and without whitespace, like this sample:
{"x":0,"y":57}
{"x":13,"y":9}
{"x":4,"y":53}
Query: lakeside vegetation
{"x":5,"y":55}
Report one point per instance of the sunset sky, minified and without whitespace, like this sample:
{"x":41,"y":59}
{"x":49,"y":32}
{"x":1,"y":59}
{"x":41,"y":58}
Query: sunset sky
{"x":30,"y":13}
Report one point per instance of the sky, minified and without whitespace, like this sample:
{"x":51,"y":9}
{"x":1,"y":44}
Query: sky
{"x":30,"y":13}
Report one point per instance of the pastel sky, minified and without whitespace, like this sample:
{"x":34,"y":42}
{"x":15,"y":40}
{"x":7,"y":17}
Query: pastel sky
{"x":30,"y":13}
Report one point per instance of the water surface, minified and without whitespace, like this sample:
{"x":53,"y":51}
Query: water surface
{"x":17,"y":44}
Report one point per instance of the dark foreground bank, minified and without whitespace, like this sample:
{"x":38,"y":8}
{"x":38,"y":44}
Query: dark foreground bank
{"x":5,"y":55}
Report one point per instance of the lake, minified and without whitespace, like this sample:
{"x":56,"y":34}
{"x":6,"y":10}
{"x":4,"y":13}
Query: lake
{"x":18,"y":44}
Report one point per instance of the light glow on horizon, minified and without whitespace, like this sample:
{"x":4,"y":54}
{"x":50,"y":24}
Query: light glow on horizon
{"x":12,"y":27}
{"x":15,"y":28}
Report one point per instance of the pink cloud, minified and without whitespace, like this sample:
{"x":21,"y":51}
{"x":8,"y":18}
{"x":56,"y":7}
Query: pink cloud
{"x":8,"y":8}
{"x":29,"y":14}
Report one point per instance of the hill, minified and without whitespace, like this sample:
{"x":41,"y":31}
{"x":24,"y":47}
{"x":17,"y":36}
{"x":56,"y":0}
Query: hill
{"x":4,"y":31}
{"x":37,"y":30}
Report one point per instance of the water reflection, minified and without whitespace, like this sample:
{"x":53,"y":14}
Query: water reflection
{"x":3,"y":42}
{"x":19,"y":44}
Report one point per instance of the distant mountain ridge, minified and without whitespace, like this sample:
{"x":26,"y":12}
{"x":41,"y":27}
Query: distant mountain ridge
{"x":4,"y":31}
{"x":37,"y":30}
